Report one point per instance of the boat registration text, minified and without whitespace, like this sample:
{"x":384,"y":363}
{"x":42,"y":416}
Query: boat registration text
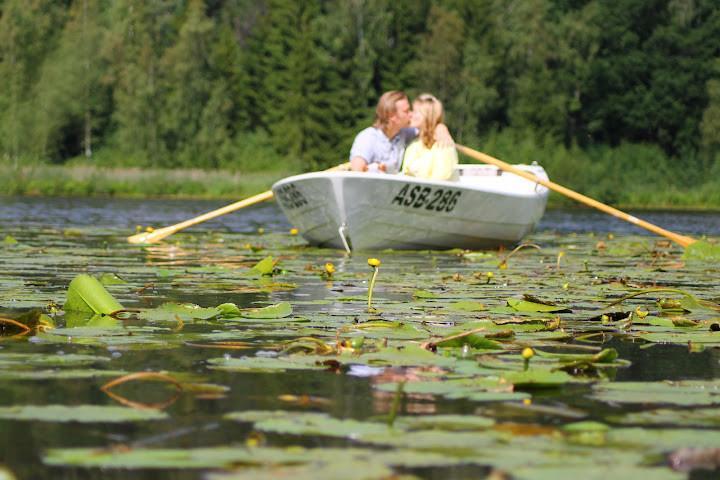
{"x":437,"y":199}
{"x":290,"y":196}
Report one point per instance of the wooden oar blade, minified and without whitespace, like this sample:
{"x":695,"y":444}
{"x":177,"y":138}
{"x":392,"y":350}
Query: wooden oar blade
{"x":151,"y":237}
{"x":682,"y":240}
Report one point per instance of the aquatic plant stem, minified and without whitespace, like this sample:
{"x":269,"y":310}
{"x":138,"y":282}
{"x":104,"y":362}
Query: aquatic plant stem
{"x":24,"y":328}
{"x":151,"y":376}
{"x":372,"y":285}
{"x":395,"y":407}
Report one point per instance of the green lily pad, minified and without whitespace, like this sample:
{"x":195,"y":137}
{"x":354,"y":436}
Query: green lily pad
{"x":347,"y":469}
{"x":467,"y":306}
{"x":653,"y":393}
{"x":311,"y":424}
{"x":454,"y":423}
{"x":170,"y":312}
{"x":702,"y":251}
{"x":279,"y":310}
{"x":424,"y":294}
{"x":79,"y":413}
{"x":266,"y":266}
{"x":264,"y":364}
{"x":13,"y":360}
{"x":87,"y":294}
{"x":534,"y":307}
{"x":698,"y":417}
{"x":535,"y":378}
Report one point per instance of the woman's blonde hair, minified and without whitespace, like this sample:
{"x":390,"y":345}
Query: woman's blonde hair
{"x":387,"y":106}
{"x":432,"y":110}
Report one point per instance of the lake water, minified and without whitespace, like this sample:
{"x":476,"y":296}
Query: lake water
{"x":310,"y":394}
{"x":126,"y":213}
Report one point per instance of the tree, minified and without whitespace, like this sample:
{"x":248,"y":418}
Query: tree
{"x":27,"y":34}
{"x":71,"y":103}
{"x":439,"y":63}
{"x":187,"y":87}
{"x":141,"y":32}
{"x":710,"y":125}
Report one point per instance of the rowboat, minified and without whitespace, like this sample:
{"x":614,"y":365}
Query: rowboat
{"x":484,"y":207}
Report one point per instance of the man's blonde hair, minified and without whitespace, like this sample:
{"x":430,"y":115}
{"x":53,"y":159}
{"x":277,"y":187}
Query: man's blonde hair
{"x":432,"y":110}
{"x":387,"y":106}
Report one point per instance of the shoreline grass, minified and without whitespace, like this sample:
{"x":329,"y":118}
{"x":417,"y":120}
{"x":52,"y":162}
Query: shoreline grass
{"x":135,"y":182}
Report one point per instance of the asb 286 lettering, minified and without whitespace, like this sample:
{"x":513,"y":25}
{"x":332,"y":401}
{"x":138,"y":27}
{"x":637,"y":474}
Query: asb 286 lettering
{"x":435,"y":199}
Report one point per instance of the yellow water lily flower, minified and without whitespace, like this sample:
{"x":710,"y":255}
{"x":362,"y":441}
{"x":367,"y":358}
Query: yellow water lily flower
{"x":294,"y":231}
{"x":373,"y":262}
{"x":329,"y":268}
{"x":528,"y":353}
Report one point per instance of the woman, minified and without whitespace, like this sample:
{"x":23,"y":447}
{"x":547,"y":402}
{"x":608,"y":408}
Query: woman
{"x":425,"y":158}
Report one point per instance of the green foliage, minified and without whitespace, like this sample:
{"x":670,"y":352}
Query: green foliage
{"x":596,"y":91}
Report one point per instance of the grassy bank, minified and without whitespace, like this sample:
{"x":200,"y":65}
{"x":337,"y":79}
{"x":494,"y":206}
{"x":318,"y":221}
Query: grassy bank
{"x":80,"y":180}
{"x":627,"y":176}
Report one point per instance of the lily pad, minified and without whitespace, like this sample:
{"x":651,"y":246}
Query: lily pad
{"x":653,"y":393}
{"x":87,"y":294}
{"x":279,"y":310}
{"x":79,"y":413}
{"x":264,"y":364}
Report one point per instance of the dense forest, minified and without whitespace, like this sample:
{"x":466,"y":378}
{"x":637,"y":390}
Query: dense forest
{"x":248,"y":84}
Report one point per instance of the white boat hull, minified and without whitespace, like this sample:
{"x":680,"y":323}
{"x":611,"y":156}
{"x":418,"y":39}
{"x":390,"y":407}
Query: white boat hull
{"x":378,"y":211}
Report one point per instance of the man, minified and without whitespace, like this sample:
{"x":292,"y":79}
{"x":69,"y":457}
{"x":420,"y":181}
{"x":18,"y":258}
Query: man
{"x":380,"y":148}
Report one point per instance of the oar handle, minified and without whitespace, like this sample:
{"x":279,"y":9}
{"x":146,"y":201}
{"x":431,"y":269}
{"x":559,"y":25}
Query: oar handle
{"x":160,"y":233}
{"x":680,"y":239}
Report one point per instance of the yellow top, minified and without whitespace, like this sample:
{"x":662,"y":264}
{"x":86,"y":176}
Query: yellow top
{"x":436,"y":163}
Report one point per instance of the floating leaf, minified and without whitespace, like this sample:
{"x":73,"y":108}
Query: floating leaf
{"x":467,"y":306}
{"x":698,"y":417}
{"x":534,"y":307}
{"x":264,"y":364}
{"x":702,"y":251}
{"x":170,"y":312}
{"x":10,"y":360}
{"x":676,"y":393}
{"x":79,"y":413}
{"x":607,"y":355}
{"x":345,"y":469}
{"x":424,"y":294}
{"x":311,"y":424}
{"x":535,"y":378}
{"x":279,"y":310}
{"x":111,"y":279}
{"x":266,"y":266}
{"x":86,"y":294}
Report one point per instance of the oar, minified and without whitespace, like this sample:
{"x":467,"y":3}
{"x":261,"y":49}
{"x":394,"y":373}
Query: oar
{"x":160,"y":233}
{"x":682,"y":240}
